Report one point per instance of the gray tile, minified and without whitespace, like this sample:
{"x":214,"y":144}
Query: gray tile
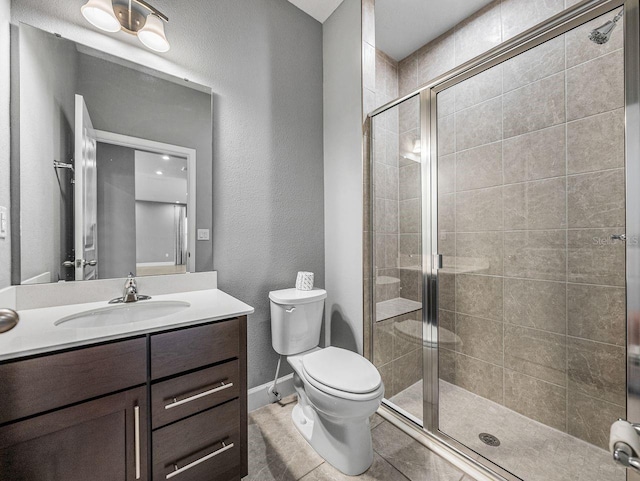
{"x":446,"y":174}
{"x":597,"y":313}
{"x":447,"y":365}
{"x":276,"y":450}
{"x":407,"y":334}
{"x":536,"y":106}
{"x":447,"y":330}
{"x":479,"y":296}
{"x":590,"y":419}
{"x":411,"y":458}
{"x":407,"y":370}
{"x":409,"y":115}
{"x":447,"y":247}
{"x":447,"y":212}
{"x":480,"y":338}
{"x":597,"y":370}
{"x":478,"y":125}
{"x":536,"y":304}
{"x":479,"y":33}
{"x":480,"y":252}
{"x":386,"y":181}
{"x":535,"y":64}
{"x":386,"y":216}
{"x":596,"y":86}
{"x":446,"y":102}
{"x":408,"y":74}
{"x":411,"y":284}
{"x":410,"y":181}
{"x":383,"y":342}
{"x":446,"y":135}
{"x":380,"y":470}
{"x":479,"y":210}
{"x":520,"y":15}
{"x":386,"y":373}
{"x":533,"y":156}
{"x":539,"y":400}
{"x":538,"y":354}
{"x":597,"y":199}
{"x":596,"y":259}
{"x":369,"y":65}
{"x":407,"y":153}
{"x":536,"y":205}
{"x":447,"y":291}
{"x":386,"y":251}
{"x":410,"y":216}
{"x":535,"y":255}
{"x":596,"y":143}
{"x":410,"y":250}
{"x":479,"y":377}
{"x":479,"y":88}
{"x":479,"y":167}
{"x":436,"y":58}
{"x":580,"y":49}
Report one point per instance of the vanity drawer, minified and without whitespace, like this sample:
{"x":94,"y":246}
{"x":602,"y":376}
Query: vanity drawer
{"x":40,"y":384}
{"x":186,"y":349}
{"x":195,"y":446}
{"x":183,"y":396}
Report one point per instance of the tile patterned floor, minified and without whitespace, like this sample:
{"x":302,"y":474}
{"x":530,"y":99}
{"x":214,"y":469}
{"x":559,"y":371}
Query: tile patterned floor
{"x":278,"y":452}
{"x":528,"y":449}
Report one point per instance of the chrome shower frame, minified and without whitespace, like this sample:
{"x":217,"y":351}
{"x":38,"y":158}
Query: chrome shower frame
{"x":428,"y":432}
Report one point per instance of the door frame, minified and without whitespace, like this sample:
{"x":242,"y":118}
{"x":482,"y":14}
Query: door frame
{"x":567,"y":20}
{"x":159,"y":147}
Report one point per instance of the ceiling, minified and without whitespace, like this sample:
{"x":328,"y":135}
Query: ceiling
{"x":403,"y":26}
{"x":318,"y":9}
{"x":149,"y":163}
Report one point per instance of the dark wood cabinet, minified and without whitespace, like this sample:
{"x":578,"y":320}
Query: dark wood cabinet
{"x":93,"y":440}
{"x":91,"y":412}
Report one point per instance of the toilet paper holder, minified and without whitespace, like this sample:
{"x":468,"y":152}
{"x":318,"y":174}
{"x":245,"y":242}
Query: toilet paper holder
{"x":623,"y":453}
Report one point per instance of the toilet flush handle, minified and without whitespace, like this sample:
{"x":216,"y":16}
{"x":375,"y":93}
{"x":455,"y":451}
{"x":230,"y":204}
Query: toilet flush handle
{"x":290,"y":310}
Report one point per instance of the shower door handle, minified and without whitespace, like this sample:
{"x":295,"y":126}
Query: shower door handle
{"x":437,"y":261}
{"x":622,"y":237}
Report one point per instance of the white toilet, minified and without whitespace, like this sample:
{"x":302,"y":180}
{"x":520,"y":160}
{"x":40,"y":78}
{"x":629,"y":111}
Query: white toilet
{"x":338,"y":390}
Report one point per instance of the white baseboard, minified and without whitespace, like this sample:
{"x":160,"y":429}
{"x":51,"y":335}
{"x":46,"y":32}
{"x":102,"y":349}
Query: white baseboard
{"x":258,"y":396}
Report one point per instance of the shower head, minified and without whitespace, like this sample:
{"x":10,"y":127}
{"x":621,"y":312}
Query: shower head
{"x":602,"y":34}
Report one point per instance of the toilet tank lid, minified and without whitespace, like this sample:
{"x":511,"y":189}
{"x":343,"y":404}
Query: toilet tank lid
{"x":294,"y":296}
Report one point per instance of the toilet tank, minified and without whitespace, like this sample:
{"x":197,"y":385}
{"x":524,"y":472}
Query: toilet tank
{"x":296,"y":319}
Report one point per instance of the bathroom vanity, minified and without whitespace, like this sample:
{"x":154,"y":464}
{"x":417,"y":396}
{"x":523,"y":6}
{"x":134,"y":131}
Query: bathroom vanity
{"x":168,"y":403}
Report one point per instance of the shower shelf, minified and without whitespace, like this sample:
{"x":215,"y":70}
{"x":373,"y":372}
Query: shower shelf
{"x":395,"y":307}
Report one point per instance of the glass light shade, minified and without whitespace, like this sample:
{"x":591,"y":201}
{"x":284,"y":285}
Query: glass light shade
{"x":152,"y":34}
{"x":99,"y":13}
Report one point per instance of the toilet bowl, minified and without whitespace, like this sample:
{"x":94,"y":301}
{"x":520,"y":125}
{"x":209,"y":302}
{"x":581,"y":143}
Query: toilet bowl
{"x":338,"y":390}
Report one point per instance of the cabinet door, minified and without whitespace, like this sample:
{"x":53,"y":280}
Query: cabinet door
{"x":100,"y":440}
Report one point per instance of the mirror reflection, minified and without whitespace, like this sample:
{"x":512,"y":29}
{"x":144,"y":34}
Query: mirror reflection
{"x":110,"y":153}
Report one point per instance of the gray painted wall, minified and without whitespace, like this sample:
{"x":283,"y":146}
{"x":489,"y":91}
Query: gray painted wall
{"x":116,"y":211}
{"x":263,"y":61}
{"x":343,"y":174}
{"x":48,"y":72}
{"x":155,"y":231}
{"x":5,"y":244}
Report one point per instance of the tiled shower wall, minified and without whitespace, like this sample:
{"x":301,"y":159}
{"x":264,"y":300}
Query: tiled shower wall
{"x":531,"y":188}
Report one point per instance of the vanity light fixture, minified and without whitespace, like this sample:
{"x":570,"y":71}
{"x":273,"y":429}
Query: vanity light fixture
{"x":143,"y":20}
{"x":166,"y":157}
{"x":159,"y":172}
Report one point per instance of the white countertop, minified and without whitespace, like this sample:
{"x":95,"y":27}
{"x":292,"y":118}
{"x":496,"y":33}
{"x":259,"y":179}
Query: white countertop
{"x":36,"y":332}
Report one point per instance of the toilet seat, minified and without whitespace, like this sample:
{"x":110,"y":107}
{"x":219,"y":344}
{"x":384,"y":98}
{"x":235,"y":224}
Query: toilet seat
{"x":342,"y":373}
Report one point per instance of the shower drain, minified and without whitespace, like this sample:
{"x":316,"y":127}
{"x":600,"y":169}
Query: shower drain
{"x":489,"y":439}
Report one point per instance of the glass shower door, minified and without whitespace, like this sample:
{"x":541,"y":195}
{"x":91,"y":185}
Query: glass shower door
{"x":397,"y":272}
{"x":531,"y":315}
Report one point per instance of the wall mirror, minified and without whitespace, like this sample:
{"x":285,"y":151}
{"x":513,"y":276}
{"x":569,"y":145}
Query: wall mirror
{"x":114,"y":162}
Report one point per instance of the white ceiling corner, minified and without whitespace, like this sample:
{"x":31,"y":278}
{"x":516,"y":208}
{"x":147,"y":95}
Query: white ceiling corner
{"x":318,"y":9}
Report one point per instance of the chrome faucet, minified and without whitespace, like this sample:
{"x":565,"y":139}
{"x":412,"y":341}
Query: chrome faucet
{"x":130,"y":293}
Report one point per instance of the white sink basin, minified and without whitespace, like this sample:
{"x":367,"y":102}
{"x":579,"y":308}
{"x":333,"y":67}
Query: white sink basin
{"x":122,"y":314}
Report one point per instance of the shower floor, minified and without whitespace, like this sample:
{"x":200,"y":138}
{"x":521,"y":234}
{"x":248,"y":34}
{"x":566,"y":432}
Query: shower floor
{"x":528,"y":449}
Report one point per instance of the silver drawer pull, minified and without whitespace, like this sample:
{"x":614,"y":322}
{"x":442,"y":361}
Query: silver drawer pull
{"x":225,"y":447}
{"x":136,"y":415}
{"x":177,"y":403}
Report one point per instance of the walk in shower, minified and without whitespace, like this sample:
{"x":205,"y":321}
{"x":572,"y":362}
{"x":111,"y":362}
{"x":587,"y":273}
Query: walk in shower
{"x":504,"y":197}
